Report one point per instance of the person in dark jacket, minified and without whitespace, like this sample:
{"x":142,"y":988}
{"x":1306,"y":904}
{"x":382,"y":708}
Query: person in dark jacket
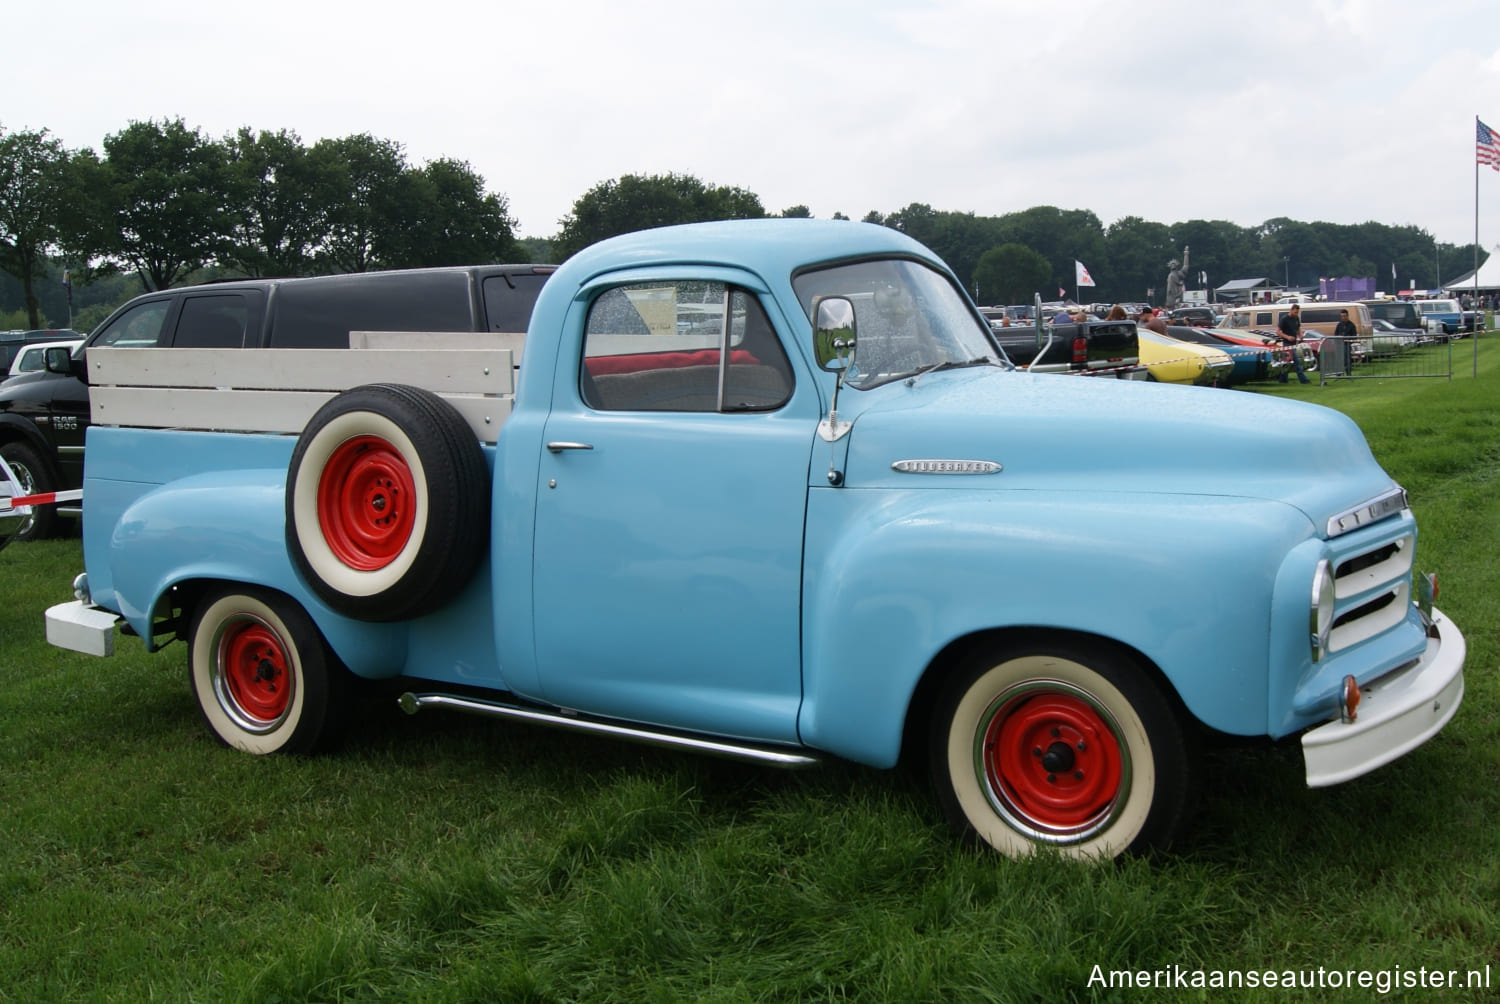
{"x":1345,"y":334}
{"x":1291,"y":334}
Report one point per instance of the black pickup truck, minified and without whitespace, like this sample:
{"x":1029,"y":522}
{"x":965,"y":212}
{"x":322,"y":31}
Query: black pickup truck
{"x":1106,"y":348}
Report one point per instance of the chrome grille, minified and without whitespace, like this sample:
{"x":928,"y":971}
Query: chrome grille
{"x":1372,"y":590}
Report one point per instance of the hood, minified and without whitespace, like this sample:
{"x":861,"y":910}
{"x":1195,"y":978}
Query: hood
{"x":1088,"y":434}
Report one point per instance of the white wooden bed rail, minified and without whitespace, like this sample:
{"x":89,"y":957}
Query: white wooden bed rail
{"x":278,"y":390}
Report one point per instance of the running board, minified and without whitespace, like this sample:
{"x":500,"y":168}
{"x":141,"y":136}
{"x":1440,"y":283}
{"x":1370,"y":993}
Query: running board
{"x":775,"y":756}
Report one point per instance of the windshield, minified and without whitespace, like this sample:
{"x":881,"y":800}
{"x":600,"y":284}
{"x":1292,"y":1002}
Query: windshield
{"x":909,"y":319}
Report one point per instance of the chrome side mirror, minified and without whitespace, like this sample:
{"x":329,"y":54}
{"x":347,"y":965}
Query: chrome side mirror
{"x":833,"y":333}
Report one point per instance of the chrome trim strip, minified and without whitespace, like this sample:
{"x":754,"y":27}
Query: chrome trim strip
{"x":947,"y":467}
{"x":775,"y":756}
{"x":1376,"y":509}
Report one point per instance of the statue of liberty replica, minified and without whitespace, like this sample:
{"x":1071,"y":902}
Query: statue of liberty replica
{"x":1175,"y":274}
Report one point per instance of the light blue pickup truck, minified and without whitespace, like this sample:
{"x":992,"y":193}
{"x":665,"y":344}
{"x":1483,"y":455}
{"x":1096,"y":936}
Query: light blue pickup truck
{"x":768,"y":489}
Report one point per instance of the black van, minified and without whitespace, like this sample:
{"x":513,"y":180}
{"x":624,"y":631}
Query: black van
{"x":43,"y":416}
{"x":1401,"y":313}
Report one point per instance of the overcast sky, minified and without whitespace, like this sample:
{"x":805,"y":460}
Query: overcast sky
{"x":1243,"y":110}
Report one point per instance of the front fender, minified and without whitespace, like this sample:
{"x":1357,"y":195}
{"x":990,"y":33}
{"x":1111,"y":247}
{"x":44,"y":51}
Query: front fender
{"x":894,"y":577}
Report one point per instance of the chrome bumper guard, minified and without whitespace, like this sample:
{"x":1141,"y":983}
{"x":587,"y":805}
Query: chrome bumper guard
{"x":82,"y":627}
{"x":1397,"y":713}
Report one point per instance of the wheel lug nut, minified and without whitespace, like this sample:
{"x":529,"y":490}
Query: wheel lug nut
{"x":1051,"y":778}
{"x":1078,"y":775}
{"x":1037,"y":752}
{"x":1056,"y":732}
{"x":1080,"y":746}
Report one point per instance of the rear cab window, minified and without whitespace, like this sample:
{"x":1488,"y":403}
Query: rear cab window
{"x":509,"y":299}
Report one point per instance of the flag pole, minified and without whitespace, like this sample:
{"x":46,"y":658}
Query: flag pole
{"x":1477,"y":312}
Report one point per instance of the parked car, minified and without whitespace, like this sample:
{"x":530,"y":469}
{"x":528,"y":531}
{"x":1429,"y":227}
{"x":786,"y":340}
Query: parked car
{"x":32,"y":356}
{"x":1389,"y":339}
{"x":1198,"y":317}
{"x":1443,"y":315}
{"x":1250,"y":363}
{"x":1401,"y":313}
{"x":1168,"y":360}
{"x":12,"y":342}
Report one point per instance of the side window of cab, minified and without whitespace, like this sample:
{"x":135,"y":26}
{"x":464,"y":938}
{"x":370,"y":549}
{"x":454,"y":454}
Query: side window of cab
{"x":685,"y":346}
{"x":138,"y":327}
{"x":217,"y":321}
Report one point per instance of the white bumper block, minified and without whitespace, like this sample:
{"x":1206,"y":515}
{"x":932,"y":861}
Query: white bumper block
{"x":82,"y":627}
{"x":1397,"y":713}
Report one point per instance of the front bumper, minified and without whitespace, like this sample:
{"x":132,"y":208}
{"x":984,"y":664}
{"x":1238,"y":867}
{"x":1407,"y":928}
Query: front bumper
{"x":1397,"y":713}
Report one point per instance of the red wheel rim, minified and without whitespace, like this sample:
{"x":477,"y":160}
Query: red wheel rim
{"x":1053,"y":761}
{"x":253,"y":666}
{"x":367,"y":501}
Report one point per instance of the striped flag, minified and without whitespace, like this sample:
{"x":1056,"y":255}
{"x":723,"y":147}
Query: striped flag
{"x":1486,"y":147}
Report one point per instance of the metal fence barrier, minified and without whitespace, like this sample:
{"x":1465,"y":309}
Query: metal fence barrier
{"x":1386,"y":356}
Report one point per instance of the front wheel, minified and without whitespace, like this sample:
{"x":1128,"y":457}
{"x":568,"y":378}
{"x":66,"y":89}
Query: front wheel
{"x":1059,"y":745}
{"x":265,"y":680}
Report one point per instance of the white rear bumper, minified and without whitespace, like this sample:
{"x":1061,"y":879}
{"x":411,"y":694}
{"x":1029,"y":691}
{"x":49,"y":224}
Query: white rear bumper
{"x":1397,"y":713}
{"x":82,"y":627}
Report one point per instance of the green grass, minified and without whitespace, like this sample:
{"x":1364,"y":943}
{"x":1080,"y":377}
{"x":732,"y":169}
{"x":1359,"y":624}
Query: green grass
{"x":444,"y":858}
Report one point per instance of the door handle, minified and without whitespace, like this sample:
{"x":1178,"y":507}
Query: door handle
{"x":557,"y":446}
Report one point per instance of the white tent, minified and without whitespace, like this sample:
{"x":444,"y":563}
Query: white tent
{"x":1489,"y":278}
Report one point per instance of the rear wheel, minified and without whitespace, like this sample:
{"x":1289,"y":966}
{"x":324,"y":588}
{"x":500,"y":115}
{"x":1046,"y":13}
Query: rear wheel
{"x":34,"y":478}
{"x":1059,"y":745}
{"x":264,"y":678}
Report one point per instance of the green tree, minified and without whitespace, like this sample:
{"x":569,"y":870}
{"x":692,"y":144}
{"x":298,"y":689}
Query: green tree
{"x":1011,"y":273}
{"x":1062,"y":236}
{"x":1136,"y":252}
{"x":449,"y":220}
{"x":33,"y":191}
{"x":279,"y":197}
{"x":637,"y":202}
{"x":363,"y":177}
{"x":168,"y":190}
{"x":797,"y":212}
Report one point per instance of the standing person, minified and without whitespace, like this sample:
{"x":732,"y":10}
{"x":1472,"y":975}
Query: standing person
{"x":1346,"y":333}
{"x":1116,"y":313}
{"x":1291,"y":333}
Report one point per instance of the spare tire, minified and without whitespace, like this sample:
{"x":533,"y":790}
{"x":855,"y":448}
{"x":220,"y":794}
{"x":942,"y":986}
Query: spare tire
{"x":387,"y":502}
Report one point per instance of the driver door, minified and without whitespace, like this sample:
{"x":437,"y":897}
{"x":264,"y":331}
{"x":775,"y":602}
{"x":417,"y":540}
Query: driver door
{"x":667,"y":565}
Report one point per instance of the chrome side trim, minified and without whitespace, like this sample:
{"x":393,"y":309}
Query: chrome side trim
{"x":774,"y":755}
{"x":1376,"y":509}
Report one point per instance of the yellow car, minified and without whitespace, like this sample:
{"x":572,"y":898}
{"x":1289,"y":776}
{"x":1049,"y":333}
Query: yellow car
{"x":1168,"y":360}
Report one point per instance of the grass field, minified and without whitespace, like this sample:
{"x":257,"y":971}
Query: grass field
{"x":443,"y":858}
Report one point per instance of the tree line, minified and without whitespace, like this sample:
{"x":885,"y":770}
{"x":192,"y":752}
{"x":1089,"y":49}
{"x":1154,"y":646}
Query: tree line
{"x":164,"y":205}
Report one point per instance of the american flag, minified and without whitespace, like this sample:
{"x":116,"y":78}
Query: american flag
{"x":1487,"y":147}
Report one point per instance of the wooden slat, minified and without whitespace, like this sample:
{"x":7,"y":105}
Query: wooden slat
{"x":490,"y":340}
{"x":254,"y":410}
{"x":445,"y":371}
